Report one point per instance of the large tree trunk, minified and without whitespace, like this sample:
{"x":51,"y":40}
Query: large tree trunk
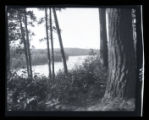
{"x":103,"y":37}
{"x":60,"y":41}
{"x":52,"y":47}
{"x":48,"y":49}
{"x":25,"y":47}
{"x":121,"y":53}
{"x":28,"y":46}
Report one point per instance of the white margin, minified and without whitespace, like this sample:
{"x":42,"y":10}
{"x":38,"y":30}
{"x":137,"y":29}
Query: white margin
{"x":142,"y":91}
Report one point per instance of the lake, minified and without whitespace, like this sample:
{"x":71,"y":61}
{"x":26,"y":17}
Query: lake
{"x":43,"y":69}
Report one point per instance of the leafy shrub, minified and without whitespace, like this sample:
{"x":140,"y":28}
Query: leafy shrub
{"x":25,"y":94}
{"x":82,"y":86}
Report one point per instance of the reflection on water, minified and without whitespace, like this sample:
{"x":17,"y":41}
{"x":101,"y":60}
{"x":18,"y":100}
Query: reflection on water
{"x":71,"y":63}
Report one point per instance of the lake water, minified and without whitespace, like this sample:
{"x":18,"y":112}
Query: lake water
{"x":72,"y":62}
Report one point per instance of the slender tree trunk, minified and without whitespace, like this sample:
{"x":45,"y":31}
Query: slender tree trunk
{"x":51,"y":35}
{"x":8,"y":50}
{"x":103,"y":37}
{"x":121,"y":53}
{"x":60,"y":41}
{"x":48,"y":49}
{"x":28,"y":46}
{"x":25,"y":47}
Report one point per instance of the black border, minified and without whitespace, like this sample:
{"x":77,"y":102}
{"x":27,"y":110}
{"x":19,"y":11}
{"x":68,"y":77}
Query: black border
{"x":63,"y":3}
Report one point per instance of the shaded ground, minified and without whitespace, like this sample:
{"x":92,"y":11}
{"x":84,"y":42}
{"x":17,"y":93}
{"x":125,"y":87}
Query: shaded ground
{"x":114,"y":105}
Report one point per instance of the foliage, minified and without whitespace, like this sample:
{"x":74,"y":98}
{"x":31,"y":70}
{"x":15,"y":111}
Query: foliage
{"x":24,"y":94}
{"x":82,"y":86}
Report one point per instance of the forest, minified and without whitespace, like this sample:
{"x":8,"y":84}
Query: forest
{"x":106,"y":81}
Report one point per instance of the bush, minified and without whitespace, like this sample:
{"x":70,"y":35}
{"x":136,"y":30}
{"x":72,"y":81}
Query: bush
{"x":25,"y":94}
{"x":82,"y":86}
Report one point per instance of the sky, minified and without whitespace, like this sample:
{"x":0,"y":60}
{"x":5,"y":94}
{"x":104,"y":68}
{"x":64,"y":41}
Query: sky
{"x":80,"y":28}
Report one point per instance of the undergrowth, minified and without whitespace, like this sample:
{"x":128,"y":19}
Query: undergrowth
{"x":82,"y":86}
{"x":82,"y":89}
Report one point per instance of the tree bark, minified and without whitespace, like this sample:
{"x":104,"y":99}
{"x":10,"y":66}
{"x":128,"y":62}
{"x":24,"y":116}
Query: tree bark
{"x":121,"y":53}
{"x":52,"y":47}
{"x":103,"y":37}
{"x":25,"y":47}
{"x":48,"y":49}
{"x":28,"y":46}
{"x":60,"y":41}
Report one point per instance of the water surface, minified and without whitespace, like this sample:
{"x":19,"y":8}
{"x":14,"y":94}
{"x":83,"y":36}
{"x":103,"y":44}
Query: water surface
{"x":72,"y":62}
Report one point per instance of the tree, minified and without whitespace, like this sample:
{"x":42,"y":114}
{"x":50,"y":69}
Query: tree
{"x":48,"y":49}
{"x":28,"y":44}
{"x":60,"y":41}
{"x":103,"y":37}
{"x":52,"y":48}
{"x":18,"y":31}
{"x":122,"y":63}
{"x":8,"y":42}
{"x":25,"y":44}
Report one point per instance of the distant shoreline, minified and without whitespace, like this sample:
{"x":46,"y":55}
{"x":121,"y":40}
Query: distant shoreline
{"x":39,"y":56}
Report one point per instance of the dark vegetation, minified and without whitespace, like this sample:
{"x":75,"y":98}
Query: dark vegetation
{"x":39,"y":56}
{"x":106,"y":82}
{"x":81,"y":87}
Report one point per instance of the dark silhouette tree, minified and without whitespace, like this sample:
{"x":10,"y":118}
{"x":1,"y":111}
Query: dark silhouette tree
{"x":17,"y":24}
{"x":25,"y":43}
{"x":103,"y":37}
{"x":47,"y":37}
{"x":12,"y":34}
{"x":52,"y":47}
{"x":122,"y":63}
{"x":60,"y":41}
{"x":28,"y":44}
{"x":11,"y":27}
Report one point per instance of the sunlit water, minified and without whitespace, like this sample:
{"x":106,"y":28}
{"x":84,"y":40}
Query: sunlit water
{"x":72,"y":62}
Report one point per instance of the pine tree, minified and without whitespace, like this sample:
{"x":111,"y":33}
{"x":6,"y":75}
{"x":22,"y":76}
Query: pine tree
{"x":103,"y":37}
{"x":47,"y":37}
{"x":25,"y":44}
{"x":28,"y":45}
{"x":52,"y":47}
{"x":60,"y":41}
{"x":121,"y":53}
